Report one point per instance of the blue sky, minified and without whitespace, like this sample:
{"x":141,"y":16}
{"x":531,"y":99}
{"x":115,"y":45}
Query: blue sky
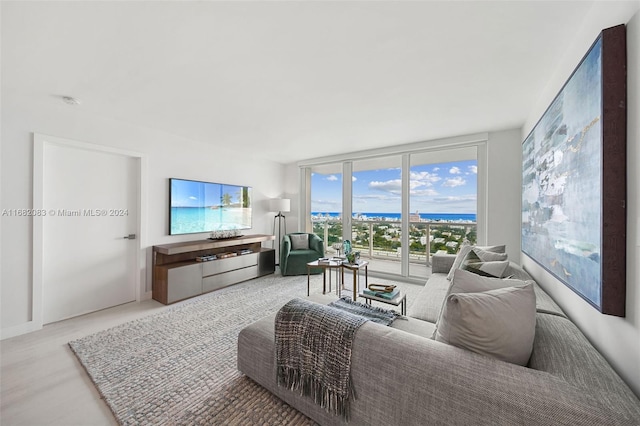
{"x":435,"y":188}
{"x":188,"y":193}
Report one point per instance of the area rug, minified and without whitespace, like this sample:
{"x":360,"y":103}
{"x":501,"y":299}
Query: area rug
{"x":178,"y":367}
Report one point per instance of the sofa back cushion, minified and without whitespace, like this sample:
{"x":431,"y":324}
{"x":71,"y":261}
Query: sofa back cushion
{"x":544,"y":302}
{"x":441,"y":263}
{"x":561,"y":349}
{"x":516,"y":271}
{"x":428,"y":303}
{"x":465,"y":282}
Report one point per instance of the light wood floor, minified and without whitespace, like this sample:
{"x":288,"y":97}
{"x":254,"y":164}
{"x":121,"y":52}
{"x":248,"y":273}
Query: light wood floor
{"x":42,"y":382}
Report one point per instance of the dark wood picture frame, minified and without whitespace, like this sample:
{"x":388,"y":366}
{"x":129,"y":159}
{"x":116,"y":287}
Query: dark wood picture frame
{"x":574,"y":203}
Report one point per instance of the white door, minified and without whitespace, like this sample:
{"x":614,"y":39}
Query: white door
{"x":91,"y":202}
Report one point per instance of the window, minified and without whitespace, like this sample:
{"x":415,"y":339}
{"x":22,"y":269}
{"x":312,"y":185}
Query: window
{"x":376,"y":224}
{"x":443,"y":191}
{"x":326,"y":205}
{"x":399,"y":205}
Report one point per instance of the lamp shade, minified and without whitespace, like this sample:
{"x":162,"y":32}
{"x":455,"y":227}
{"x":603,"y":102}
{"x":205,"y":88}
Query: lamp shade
{"x":280,"y":205}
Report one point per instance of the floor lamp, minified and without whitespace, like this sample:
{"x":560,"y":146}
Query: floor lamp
{"x":279,"y":205}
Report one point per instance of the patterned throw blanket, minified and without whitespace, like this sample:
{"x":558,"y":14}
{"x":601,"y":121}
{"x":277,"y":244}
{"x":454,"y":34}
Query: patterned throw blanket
{"x":313,"y":348}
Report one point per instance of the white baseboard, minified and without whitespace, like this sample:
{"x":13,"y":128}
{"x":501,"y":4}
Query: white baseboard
{"x":31,"y":326}
{"x":18,"y":330}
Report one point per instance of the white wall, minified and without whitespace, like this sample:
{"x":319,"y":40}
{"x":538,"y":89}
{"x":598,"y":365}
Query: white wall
{"x":618,"y":339}
{"x":504,"y":187}
{"x":167,"y":156}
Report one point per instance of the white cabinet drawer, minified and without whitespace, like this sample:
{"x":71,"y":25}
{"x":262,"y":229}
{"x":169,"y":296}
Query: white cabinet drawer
{"x":219,"y":266}
{"x":214,"y":282}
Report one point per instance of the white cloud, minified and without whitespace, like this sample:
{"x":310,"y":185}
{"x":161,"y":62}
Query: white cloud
{"x":193,"y":198}
{"x":326,"y":205}
{"x":455,"y":170}
{"x":455,"y":199}
{"x":473,"y":169}
{"x":413,"y":184}
{"x":379,"y":197}
{"x":417,"y":187}
{"x":382,"y":202}
{"x":453,"y":182}
{"x":332,"y":178}
{"x":424,"y":178}
{"x":446,"y":204}
{"x":353,"y":178}
{"x":424,"y":192}
{"x":393,"y":186}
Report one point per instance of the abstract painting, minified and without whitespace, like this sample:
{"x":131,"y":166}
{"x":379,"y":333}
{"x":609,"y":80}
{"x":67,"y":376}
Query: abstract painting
{"x":574,"y":179}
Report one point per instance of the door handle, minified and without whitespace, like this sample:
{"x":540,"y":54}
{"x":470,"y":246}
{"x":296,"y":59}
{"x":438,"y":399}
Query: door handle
{"x":130,"y":237}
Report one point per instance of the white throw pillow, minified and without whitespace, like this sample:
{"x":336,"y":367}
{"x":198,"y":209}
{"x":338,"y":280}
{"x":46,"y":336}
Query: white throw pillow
{"x":465,"y":249}
{"x":299,"y":241}
{"x":500,"y":323}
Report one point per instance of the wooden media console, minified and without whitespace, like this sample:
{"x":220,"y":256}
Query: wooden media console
{"x":177,"y":275}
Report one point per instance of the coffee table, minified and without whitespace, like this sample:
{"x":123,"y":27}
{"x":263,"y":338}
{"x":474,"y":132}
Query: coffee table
{"x":399,"y":300}
{"x":324,"y":265}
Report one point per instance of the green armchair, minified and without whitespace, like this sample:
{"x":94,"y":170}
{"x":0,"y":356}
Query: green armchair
{"x":297,"y":250}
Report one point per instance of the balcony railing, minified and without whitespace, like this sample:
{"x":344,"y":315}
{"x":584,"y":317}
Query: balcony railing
{"x":381,"y":239}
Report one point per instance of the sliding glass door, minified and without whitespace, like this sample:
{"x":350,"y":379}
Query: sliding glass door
{"x":376,"y":224}
{"x":398,"y":209}
{"x":443,"y":204}
{"x":326,"y":205}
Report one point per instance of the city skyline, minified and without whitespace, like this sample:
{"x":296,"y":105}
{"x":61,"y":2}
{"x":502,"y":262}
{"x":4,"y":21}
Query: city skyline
{"x":435,"y":188}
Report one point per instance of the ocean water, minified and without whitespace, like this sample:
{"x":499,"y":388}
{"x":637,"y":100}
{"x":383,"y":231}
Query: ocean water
{"x":189,"y":220}
{"x":449,"y":217}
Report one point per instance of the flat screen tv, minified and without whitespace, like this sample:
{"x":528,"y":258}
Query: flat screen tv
{"x":207,"y":207}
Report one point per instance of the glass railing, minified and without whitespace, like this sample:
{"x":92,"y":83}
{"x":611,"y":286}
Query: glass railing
{"x":380,"y":239}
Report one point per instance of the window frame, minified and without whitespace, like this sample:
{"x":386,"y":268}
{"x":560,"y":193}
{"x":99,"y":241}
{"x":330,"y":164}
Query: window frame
{"x":479,"y":141}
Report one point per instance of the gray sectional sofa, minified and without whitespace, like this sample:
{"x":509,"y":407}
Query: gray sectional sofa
{"x":402,"y":376}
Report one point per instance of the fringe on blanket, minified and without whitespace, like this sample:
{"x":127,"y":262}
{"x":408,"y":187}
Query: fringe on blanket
{"x":307,"y":385}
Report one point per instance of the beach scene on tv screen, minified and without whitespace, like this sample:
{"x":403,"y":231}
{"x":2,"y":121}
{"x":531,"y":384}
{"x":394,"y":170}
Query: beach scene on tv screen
{"x":206,"y":207}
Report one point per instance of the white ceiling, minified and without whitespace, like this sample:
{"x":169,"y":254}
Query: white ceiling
{"x":291,"y":80}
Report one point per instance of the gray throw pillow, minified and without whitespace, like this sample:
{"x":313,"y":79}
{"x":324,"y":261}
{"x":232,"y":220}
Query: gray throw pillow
{"x":516,"y":271}
{"x":490,"y":268}
{"x":500,"y":323}
{"x":468,"y":282}
{"x":299,"y":241}
{"x":465,"y":249}
{"x":489,"y":256}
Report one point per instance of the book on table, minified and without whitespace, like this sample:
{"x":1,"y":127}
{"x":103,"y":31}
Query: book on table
{"x":384,"y":295}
